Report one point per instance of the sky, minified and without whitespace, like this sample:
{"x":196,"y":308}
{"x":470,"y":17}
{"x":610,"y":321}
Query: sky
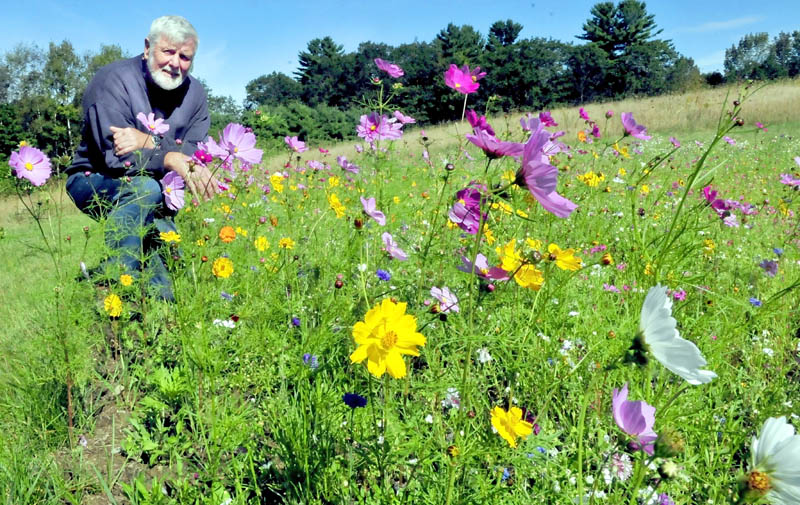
{"x":243,"y":39}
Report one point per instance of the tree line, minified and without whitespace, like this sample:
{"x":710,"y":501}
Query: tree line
{"x":618,"y":54}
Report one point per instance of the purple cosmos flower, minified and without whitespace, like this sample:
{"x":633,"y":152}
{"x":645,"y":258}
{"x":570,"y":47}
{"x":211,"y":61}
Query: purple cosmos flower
{"x":674,"y":142}
{"x":354,"y":401}
{"x":635,"y":419}
{"x":383,"y":275}
{"x":173,"y":185}
{"x":493,"y":147}
{"x":466,"y":212}
{"x":481,"y":268}
{"x":374,"y":127}
{"x":770,"y":267}
{"x":584,"y":115}
{"x":391,"y":247}
{"x":760,"y":125}
{"x":403,"y":119}
{"x":240,"y":143}
{"x":541,"y":178}
{"x":664,"y":499}
{"x":201,"y":157}
{"x":478,"y":123}
{"x":610,"y":288}
{"x":632,"y":128}
{"x":595,"y":131}
{"x":679,"y":294}
{"x":447,"y":299}
{"x":547,"y":119}
{"x":346,"y":165}
{"x":729,"y":140}
{"x":31,"y":164}
{"x":390,"y":68}
{"x":154,"y":126}
{"x":462,"y":80}
{"x":295,"y":144}
{"x":789,"y":180}
{"x":369,"y":209}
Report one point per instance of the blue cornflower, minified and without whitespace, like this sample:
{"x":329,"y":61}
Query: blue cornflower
{"x":383,"y":274}
{"x":310,"y":360}
{"x":226,"y":296}
{"x":295,"y":322}
{"x":354,"y":401}
{"x":778,"y":251}
{"x":755,"y":302}
{"x":770,"y":267}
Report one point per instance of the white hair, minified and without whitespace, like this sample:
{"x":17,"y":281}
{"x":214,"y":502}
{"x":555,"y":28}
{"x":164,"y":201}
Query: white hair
{"x":173,"y":28}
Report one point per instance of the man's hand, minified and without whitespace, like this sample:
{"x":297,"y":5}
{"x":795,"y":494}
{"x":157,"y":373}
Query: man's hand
{"x":127,"y":140}
{"x":197,"y":177}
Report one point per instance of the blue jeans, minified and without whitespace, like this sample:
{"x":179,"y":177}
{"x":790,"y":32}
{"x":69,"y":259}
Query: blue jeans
{"x":136,"y":214}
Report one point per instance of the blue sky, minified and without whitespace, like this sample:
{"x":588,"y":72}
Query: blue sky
{"x":243,"y":39}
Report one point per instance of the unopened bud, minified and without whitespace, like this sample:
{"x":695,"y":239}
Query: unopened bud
{"x":449,"y":167}
{"x":338,"y":284}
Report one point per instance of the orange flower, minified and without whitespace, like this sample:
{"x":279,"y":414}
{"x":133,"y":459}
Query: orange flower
{"x":227,"y":234}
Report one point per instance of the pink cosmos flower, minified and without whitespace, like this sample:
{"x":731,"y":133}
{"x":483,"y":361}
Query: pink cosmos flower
{"x":547,"y":119}
{"x":173,"y":185}
{"x":390,"y":68}
{"x":633,"y":129}
{"x":674,"y":142}
{"x":391,"y":247}
{"x":478,"y":123}
{"x":729,"y":140}
{"x":481,"y":268}
{"x":447,"y":299}
{"x":466,"y":212}
{"x":295,"y":144}
{"x":462,"y":80}
{"x":374,"y":127}
{"x":541,"y":178}
{"x":346,"y":165}
{"x":154,"y":126}
{"x":211,"y":147}
{"x":240,"y":143}
{"x":403,"y":119}
{"x":368,"y":205}
{"x":789,"y":180}
{"x":635,"y":419}
{"x":760,"y":125}
{"x":493,"y":147}
{"x":31,"y":164}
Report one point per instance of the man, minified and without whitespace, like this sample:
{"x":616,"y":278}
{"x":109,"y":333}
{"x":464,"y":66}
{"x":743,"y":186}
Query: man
{"x":118,"y":166}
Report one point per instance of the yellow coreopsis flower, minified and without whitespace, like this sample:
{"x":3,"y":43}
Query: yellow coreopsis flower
{"x":645,"y":190}
{"x":222,"y":267}
{"x":510,"y":259}
{"x":333,"y":181}
{"x":396,"y":199}
{"x":261,"y":243}
{"x":286,"y":243}
{"x":510,"y":425}
{"x":385,"y":335}
{"x":565,"y":259}
{"x":534,"y":244}
{"x":126,"y":280}
{"x":241,"y":231}
{"x":708,"y":247}
{"x":506,"y":208}
{"x":530,"y":277}
{"x":336,"y":205}
{"x":622,"y":151}
{"x":112,"y":304}
{"x":170,"y":237}
{"x":622,"y":172}
{"x":276,"y":180}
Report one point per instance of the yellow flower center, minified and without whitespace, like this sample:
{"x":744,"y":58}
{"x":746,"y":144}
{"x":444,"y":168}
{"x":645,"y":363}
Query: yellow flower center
{"x":389,"y":340}
{"x":758,"y":480}
{"x":458,"y":85}
{"x":474,"y":79}
{"x":373,"y":128}
{"x":28,"y":166}
{"x":168,"y":190}
{"x":151,"y":126}
{"x":236,"y":149}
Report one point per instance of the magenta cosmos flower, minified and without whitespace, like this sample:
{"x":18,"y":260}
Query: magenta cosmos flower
{"x":547,"y":119}
{"x":635,"y":418}
{"x":154,"y":126}
{"x":295,"y":144}
{"x":466,"y":212}
{"x":390,"y":68}
{"x":481,"y":268}
{"x":632,"y":128}
{"x":368,"y":204}
{"x":403,"y":119}
{"x":31,"y":164}
{"x":541,"y":178}
{"x":493,"y":147}
{"x":392,"y":248}
{"x":584,"y":115}
{"x":462,"y":79}
{"x":173,"y":185}
{"x":240,"y":143}
{"x":478,"y":122}
{"x":374,"y":127}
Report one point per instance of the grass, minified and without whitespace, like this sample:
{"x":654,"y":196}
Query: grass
{"x":173,"y":406}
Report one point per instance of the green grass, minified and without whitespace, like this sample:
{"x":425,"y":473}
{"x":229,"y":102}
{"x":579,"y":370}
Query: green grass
{"x":210,"y":413}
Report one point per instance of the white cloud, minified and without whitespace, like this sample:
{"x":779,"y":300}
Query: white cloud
{"x":716,"y":26}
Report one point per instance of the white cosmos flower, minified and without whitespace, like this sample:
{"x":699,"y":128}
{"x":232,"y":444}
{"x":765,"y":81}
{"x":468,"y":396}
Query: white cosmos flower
{"x":661,"y":337}
{"x":775,"y":459}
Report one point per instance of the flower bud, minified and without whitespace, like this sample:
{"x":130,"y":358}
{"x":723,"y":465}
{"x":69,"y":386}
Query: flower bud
{"x":338,"y":284}
{"x":449,"y":167}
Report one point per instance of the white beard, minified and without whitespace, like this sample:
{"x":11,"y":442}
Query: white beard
{"x":161,"y":78}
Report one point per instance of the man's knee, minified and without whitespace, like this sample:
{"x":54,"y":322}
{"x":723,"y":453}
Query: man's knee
{"x":142,"y":190}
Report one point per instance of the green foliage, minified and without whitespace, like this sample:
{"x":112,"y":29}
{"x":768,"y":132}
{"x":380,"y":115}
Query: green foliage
{"x":755,"y":57}
{"x":616,"y":28}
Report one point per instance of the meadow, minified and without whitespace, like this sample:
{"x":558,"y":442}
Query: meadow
{"x":479,"y":353}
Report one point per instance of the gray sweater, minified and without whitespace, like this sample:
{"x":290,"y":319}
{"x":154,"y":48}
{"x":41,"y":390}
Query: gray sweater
{"x":119,"y":92}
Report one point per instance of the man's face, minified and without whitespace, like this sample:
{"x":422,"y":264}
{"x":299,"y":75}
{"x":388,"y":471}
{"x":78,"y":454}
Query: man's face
{"x":169,"y":62}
